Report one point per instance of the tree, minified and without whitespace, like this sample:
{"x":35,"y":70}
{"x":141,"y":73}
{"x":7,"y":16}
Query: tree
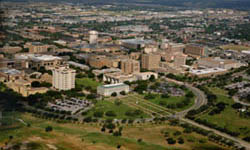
{"x":123,"y":93}
{"x":35,"y":84}
{"x":48,"y":129}
{"x":110,"y":113}
{"x":180,"y":140}
{"x":152,"y":78}
{"x":171,"y":141}
{"x":98,"y":114}
{"x":237,"y":106}
{"x":114,"y":94}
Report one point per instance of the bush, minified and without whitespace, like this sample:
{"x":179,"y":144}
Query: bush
{"x":48,"y":129}
{"x":110,"y":114}
{"x":171,"y":141}
{"x":180,"y":140}
{"x":114,"y":94}
{"x":98,"y":114}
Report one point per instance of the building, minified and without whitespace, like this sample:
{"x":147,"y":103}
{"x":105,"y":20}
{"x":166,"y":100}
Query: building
{"x":107,"y":90}
{"x":10,"y":49}
{"x":195,"y":50}
{"x":63,"y":78}
{"x":37,"y":47}
{"x":93,"y":37}
{"x":175,"y":47}
{"x":24,"y":87}
{"x":130,"y":66}
{"x":179,"y":60}
{"x":11,"y":74}
{"x":208,"y":72}
{"x":37,"y":60}
{"x":118,"y":77}
{"x":146,"y":75}
{"x":216,"y":62}
{"x":150,"y":61}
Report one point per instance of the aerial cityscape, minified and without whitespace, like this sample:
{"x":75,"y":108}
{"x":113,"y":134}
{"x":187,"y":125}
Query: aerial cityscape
{"x":125,"y":75}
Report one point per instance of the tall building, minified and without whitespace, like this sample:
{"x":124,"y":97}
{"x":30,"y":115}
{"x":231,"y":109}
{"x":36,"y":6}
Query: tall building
{"x":175,"y":47}
{"x":63,"y":78}
{"x":130,"y":66}
{"x":150,"y":61}
{"x":195,"y":50}
{"x":93,"y":37}
{"x":180,"y":60}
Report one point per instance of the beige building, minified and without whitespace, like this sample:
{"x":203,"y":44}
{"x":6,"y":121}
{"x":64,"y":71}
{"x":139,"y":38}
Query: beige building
{"x":63,"y":78}
{"x":150,"y":61}
{"x":24,"y":87}
{"x":10,"y":49}
{"x":93,"y":37}
{"x":130,"y":66}
{"x":216,"y":62}
{"x":195,"y":50}
{"x":37,"y":47}
{"x":179,"y":60}
{"x":107,"y":90}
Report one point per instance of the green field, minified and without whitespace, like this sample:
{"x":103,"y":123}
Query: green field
{"x":171,"y":100}
{"x":68,"y":136}
{"x":119,"y":110}
{"x":87,"y":82}
{"x":228,"y":118}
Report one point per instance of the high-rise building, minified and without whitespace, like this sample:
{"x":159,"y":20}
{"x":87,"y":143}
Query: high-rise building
{"x":63,"y":78}
{"x":130,"y":66}
{"x":93,"y":37}
{"x":150,"y":61}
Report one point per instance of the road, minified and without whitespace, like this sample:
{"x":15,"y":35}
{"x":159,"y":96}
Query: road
{"x":241,"y":142}
{"x":236,"y":100}
{"x":199,"y":101}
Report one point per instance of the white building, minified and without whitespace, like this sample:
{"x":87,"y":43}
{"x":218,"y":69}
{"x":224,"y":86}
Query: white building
{"x":107,"y":90}
{"x":93,"y":37}
{"x":63,"y":78}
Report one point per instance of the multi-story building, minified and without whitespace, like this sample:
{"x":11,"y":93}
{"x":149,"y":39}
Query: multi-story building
{"x":179,"y":60}
{"x":108,"y":90}
{"x":37,"y":47}
{"x":130,"y":66}
{"x":63,"y":78}
{"x":215,"y":62}
{"x":93,"y":37}
{"x":195,"y":50}
{"x":150,"y":61}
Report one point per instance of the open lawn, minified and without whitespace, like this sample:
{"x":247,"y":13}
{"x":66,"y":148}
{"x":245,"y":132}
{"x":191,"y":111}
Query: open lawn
{"x":234,"y":47}
{"x":228,"y":118}
{"x":120,"y":110}
{"x":87,"y":82}
{"x":68,"y":136}
{"x":171,"y":100}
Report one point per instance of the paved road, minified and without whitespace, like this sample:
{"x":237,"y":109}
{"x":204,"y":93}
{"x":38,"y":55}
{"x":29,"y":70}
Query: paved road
{"x":236,"y":100}
{"x":199,"y":101}
{"x":241,"y":142}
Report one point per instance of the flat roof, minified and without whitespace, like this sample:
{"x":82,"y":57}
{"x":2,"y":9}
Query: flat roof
{"x":113,"y":85}
{"x":206,"y":71}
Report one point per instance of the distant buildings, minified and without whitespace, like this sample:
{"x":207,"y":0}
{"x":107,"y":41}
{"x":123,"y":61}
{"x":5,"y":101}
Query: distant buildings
{"x":130,"y":66}
{"x":63,"y":78}
{"x":10,"y":49}
{"x":208,"y":72}
{"x":107,"y":90}
{"x":150,"y":61}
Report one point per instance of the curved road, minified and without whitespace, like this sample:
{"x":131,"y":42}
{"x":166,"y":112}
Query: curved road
{"x":199,"y":101}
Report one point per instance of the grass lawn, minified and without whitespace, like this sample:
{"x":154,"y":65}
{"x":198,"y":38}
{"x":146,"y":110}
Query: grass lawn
{"x":68,"y":136}
{"x":171,"y":100}
{"x":120,"y":110}
{"x":228,"y":118}
{"x":87,"y":82}
{"x":234,"y":47}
